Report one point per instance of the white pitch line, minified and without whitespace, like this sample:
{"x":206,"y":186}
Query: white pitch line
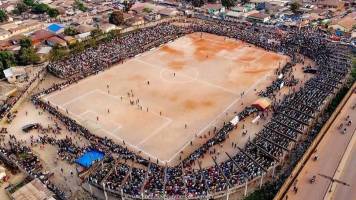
{"x":216,"y":118}
{"x":78,"y":98}
{"x":181,"y":73}
{"x":116,"y":97}
{"x":154,"y":133}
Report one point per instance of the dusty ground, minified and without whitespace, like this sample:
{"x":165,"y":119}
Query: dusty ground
{"x":192,"y":81}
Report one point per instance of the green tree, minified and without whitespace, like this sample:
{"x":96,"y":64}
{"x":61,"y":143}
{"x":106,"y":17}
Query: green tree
{"x":128,"y":5}
{"x":27,"y":54}
{"x":25,"y":43}
{"x":29,"y":2}
{"x":198,"y":3}
{"x":58,"y":53}
{"x":52,"y":12}
{"x":70,"y":31}
{"x":3,"y":16}
{"x":40,"y":8}
{"x":294,"y":7}
{"x":96,"y":33}
{"x":77,"y":47}
{"x":20,"y":8}
{"x":7,"y":59}
{"x":117,"y":17}
{"x":228,"y":3}
{"x":79,"y":5}
{"x":147,"y":10}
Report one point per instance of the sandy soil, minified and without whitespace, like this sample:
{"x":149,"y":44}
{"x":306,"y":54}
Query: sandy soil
{"x":192,"y":81}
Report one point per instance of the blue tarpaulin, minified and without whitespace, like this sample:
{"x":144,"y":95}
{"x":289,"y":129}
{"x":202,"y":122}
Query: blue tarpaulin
{"x":89,"y":157}
{"x":54,"y":28}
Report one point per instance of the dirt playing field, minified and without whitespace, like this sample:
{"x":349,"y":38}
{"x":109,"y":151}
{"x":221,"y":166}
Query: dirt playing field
{"x":161,"y":100}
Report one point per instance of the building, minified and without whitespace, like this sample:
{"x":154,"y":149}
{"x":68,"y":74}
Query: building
{"x":106,"y":27}
{"x":259,"y":17}
{"x":25,"y":27}
{"x":328,"y":4}
{"x":34,"y":190}
{"x":14,"y":74}
{"x":40,"y":36}
{"x":152,"y":17}
{"x":169,"y":12}
{"x":43,"y":52}
{"x":346,"y":24}
{"x":56,"y":41}
{"x":135,"y":21}
{"x":55,"y":28}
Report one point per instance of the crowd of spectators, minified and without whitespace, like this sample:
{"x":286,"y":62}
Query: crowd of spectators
{"x":291,"y":118}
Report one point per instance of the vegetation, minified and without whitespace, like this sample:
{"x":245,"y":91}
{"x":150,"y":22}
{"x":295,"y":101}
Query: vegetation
{"x":58,"y":53}
{"x":29,"y":2}
{"x":147,"y":10}
{"x":128,"y":5}
{"x":96,"y":33}
{"x":198,"y":3}
{"x":27,"y":54}
{"x":20,"y":8}
{"x":228,"y":3}
{"x":295,"y":6}
{"x":267,"y":192}
{"x":79,"y":5}
{"x":41,"y":8}
{"x":70,"y":31}
{"x":53,"y":13}
{"x":3,"y":16}
{"x":117,"y":18}
{"x":7,"y":59}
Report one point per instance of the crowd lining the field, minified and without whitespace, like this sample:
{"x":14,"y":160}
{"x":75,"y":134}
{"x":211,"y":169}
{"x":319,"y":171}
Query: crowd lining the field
{"x":291,"y":118}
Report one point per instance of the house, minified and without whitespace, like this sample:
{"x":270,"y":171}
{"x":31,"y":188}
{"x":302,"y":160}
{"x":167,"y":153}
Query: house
{"x":40,"y":36}
{"x":259,"y":17}
{"x":234,"y":15}
{"x":82,"y":36}
{"x":24,"y":27}
{"x":55,"y":28}
{"x":135,"y":21}
{"x":4,"y":34}
{"x":5,"y":44}
{"x":345,"y":24}
{"x":69,"y":39}
{"x":169,"y":12}
{"x":84,"y":28}
{"x":56,"y":41}
{"x":14,"y":74}
{"x":152,"y":17}
{"x":32,"y":190}
{"x":330,"y":4}
{"x":212,"y":8}
{"x":43,"y":52}
{"x":106,"y":27}
{"x":7,"y":6}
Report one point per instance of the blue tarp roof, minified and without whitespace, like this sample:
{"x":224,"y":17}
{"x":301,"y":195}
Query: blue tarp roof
{"x":89,"y":157}
{"x":54,"y":27}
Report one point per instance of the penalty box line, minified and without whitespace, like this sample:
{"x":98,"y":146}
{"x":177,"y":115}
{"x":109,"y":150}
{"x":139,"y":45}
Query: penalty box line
{"x":111,"y":133}
{"x":221,"y":114}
